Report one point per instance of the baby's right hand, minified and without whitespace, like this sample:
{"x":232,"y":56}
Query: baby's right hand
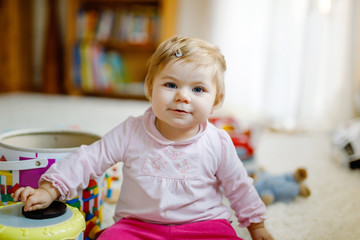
{"x":35,"y":199}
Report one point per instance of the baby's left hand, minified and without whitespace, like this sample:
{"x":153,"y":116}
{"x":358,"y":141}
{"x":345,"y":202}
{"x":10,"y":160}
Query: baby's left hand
{"x":258,"y":232}
{"x":261,"y":234}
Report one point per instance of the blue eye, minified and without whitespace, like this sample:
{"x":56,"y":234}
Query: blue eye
{"x":198,"y":89}
{"x":170,"y":85}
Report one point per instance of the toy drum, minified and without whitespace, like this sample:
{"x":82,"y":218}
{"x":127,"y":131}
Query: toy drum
{"x":13,"y":225}
{"x":26,"y":154}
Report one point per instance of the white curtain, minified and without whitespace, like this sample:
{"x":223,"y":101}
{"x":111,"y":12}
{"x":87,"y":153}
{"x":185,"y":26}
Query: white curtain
{"x":289,"y":61}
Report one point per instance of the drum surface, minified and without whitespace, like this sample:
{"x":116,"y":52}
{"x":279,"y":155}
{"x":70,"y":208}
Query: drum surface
{"x":13,"y":225}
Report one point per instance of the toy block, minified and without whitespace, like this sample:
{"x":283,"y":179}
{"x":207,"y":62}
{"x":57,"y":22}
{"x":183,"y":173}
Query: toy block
{"x":92,"y":184}
{"x":96,"y":212}
{"x":89,"y":218}
{"x":4,"y":198}
{"x":88,"y":228}
{"x":96,"y":190}
{"x":94,"y":231}
{"x":14,"y":188}
{"x":96,"y":202}
{"x":86,"y":194}
{"x":6,"y":173}
{"x":86,"y":207}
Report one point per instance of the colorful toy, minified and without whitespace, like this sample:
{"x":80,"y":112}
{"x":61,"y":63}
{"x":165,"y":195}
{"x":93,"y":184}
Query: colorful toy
{"x":26,"y":154}
{"x":113,"y":184}
{"x":241,"y":136}
{"x":282,"y":187}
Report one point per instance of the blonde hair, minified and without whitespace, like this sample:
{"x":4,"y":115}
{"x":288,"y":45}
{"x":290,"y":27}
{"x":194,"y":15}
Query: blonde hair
{"x":188,"y":50}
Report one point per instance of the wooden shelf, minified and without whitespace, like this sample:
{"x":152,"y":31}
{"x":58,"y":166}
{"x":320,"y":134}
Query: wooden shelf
{"x":120,"y":1}
{"x":128,"y":91}
{"x":133,"y":55}
{"x":16,"y":46}
{"x":114,"y":44}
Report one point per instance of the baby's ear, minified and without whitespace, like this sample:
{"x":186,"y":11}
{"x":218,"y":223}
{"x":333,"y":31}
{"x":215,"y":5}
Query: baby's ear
{"x":213,"y":109}
{"x":218,"y":102}
{"x":147,"y":94}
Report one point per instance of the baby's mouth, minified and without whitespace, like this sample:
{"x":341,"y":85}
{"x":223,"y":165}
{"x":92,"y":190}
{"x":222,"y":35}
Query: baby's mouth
{"x":179,"y":111}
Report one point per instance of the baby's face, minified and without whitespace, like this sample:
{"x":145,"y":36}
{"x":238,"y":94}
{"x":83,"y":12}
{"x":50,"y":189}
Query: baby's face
{"x":183,"y":97}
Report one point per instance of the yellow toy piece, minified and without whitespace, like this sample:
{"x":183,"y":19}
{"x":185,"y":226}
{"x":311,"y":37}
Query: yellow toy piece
{"x":16,"y":226}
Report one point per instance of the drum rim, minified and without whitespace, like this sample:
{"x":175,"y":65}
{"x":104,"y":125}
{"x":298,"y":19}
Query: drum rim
{"x":74,"y":226}
{"x":22,"y":132}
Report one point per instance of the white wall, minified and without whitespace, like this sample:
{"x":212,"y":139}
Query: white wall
{"x":289,"y":63}
{"x":195,"y":18}
{"x":242,"y":42}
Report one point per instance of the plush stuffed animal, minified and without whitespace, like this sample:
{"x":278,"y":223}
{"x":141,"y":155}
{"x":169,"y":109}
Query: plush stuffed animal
{"x":282,"y":187}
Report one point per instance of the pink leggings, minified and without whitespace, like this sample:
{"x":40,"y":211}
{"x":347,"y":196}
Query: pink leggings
{"x":132,"y":229}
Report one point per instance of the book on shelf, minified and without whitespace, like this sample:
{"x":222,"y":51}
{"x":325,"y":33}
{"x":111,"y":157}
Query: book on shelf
{"x":136,"y":24}
{"x":105,"y":25}
{"x":77,"y":65}
{"x":87,"y":24}
{"x":97,"y":70}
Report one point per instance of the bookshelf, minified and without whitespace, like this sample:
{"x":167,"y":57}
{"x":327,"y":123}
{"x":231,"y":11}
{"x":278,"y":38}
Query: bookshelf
{"x":109,"y":41}
{"x":15,"y":45}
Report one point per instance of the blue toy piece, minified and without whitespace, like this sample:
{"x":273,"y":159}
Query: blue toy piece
{"x":282,"y":187}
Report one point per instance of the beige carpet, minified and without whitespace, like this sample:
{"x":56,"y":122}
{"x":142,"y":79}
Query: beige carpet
{"x":331,"y":212}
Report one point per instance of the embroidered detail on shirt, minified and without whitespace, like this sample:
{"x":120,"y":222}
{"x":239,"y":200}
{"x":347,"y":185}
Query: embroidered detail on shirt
{"x":173,"y":155}
{"x":158,"y":164}
{"x":172,"y":163}
{"x":182,"y":167}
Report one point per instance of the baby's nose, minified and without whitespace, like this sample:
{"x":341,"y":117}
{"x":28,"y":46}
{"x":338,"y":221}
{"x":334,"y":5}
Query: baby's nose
{"x":182,"y":95}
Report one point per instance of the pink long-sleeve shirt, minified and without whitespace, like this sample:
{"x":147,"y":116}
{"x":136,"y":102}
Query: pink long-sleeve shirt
{"x":164,"y":182}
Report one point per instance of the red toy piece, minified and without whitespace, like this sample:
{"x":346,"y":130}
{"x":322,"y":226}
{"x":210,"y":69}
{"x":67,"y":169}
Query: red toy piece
{"x":240,"y":137}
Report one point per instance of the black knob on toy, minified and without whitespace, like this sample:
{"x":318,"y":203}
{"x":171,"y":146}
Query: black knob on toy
{"x":55,"y":209}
